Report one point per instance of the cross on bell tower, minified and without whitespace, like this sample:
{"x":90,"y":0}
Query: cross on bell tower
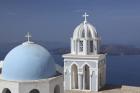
{"x":28,"y":36}
{"x":85,"y":16}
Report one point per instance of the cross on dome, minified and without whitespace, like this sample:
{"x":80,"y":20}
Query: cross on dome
{"x":85,"y":16}
{"x":28,"y":36}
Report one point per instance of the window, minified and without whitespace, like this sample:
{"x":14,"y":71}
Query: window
{"x":91,"y":46}
{"x":81,"y":46}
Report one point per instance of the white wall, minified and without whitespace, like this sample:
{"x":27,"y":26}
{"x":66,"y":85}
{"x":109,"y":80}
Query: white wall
{"x":43,"y":85}
{"x":94,"y":67}
{"x":12,"y":86}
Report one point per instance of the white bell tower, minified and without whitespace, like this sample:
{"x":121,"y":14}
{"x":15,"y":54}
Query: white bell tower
{"x":85,"y":40}
{"x":84,"y":67}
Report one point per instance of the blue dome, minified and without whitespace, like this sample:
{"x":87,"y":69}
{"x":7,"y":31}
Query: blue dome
{"x":28,"y":61}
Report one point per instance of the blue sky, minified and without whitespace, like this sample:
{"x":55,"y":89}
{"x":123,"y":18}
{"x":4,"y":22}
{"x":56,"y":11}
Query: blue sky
{"x":117,"y":21}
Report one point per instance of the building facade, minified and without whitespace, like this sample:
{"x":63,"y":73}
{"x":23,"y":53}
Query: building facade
{"x":84,"y":67}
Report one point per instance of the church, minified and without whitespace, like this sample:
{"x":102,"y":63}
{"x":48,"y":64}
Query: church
{"x":30,"y":68}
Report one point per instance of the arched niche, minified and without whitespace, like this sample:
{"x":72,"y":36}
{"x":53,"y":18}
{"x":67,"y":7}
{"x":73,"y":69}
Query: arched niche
{"x":74,"y":77}
{"x":57,"y":89}
{"x":34,"y":91}
{"x":86,"y":77}
{"x":6,"y":90}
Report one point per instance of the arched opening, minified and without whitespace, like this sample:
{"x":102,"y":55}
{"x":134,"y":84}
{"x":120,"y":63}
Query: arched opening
{"x":6,"y":90}
{"x":89,"y":34}
{"x":91,"y":46}
{"x":86,"y":77}
{"x":74,"y":77}
{"x":34,"y":91}
{"x":80,"y":46}
{"x":83,"y":34}
{"x":57,"y":89}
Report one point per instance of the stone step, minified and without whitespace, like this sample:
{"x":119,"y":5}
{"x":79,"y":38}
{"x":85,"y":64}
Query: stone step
{"x":130,"y":89}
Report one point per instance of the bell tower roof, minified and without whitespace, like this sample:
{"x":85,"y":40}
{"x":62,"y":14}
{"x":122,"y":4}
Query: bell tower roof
{"x":85,"y":29}
{"x":85,"y":39}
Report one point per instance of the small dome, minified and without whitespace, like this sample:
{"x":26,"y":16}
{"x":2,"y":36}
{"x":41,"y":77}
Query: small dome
{"x":80,"y":32}
{"x":28,"y":61}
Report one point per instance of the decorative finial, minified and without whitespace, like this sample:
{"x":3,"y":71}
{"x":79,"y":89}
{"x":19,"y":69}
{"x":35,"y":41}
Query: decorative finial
{"x":85,"y":16}
{"x":28,"y":36}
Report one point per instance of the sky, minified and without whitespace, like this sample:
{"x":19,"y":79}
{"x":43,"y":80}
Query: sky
{"x":117,"y":21}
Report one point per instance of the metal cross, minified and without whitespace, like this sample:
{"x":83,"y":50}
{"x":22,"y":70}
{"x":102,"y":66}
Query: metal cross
{"x":28,"y":36}
{"x":85,"y":15}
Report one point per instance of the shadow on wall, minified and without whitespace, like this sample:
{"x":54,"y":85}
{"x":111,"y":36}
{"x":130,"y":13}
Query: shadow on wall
{"x":111,"y":87}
